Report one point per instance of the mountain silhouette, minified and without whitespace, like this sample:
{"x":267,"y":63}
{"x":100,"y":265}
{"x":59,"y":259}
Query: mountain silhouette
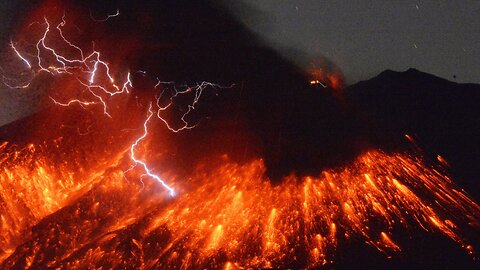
{"x":441,"y":116}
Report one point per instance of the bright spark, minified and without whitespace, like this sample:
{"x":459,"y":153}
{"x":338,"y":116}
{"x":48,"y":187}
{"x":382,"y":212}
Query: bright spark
{"x":316,"y":82}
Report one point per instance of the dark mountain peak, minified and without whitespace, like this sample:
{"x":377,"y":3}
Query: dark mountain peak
{"x":387,"y":72}
{"x":413,"y":70}
{"x":411,"y":77}
{"x":410,"y":71}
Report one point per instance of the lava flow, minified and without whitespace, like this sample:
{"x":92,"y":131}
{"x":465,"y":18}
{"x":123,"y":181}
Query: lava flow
{"x":226,"y":214}
{"x":110,"y":207}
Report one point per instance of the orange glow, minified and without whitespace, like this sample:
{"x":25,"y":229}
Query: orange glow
{"x":326,"y":78}
{"x":233,"y":210}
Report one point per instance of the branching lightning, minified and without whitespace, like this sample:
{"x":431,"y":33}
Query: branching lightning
{"x":196,"y":89}
{"x":87,"y":67}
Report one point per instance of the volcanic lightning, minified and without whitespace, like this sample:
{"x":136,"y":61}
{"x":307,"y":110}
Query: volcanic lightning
{"x":19,"y":55}
{"x":229,"y":215}
{"x":89,"y":67}
{"x":142,"y":163}
{"x":109,"y":16}
{"x":196,"y":89}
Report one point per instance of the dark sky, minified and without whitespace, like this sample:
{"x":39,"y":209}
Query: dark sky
{"x":366,"y":37}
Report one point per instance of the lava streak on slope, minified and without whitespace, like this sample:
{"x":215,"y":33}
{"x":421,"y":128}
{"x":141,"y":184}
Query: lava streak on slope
{"x":227,"y":214}
{"x":94,"y":187}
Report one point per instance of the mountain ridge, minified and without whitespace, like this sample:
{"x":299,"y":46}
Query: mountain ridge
{"x":441,"y":115}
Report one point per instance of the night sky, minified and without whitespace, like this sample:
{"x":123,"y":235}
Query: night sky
{"x":364,"y":38}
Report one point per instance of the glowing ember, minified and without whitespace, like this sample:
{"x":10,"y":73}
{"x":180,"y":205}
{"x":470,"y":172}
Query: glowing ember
{"x":324,"y":78}
{"x":231,"y":213}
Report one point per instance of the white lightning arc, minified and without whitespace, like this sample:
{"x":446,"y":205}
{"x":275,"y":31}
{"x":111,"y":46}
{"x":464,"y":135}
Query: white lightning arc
{"x":109,"y":16}
{"x":89,"y":65}
{"x":19,"y":55}
{"x":197,"y":89}
{"x":142,"y":163}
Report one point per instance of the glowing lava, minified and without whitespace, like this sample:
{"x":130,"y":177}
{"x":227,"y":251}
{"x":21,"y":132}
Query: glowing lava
{"x":229,"y":213}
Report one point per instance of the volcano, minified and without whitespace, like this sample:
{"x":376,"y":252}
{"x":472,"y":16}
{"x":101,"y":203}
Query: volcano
{"x":228,"y":156}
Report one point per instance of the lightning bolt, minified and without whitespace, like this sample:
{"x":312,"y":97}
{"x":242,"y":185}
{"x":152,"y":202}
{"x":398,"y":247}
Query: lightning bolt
{"x":143,"y":164}
{"x":197,"y":89}
{"x":19,"y":55}
{"x":109,"y":16}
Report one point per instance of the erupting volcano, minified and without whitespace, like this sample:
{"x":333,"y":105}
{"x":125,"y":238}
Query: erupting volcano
{"x":134,"y":161}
